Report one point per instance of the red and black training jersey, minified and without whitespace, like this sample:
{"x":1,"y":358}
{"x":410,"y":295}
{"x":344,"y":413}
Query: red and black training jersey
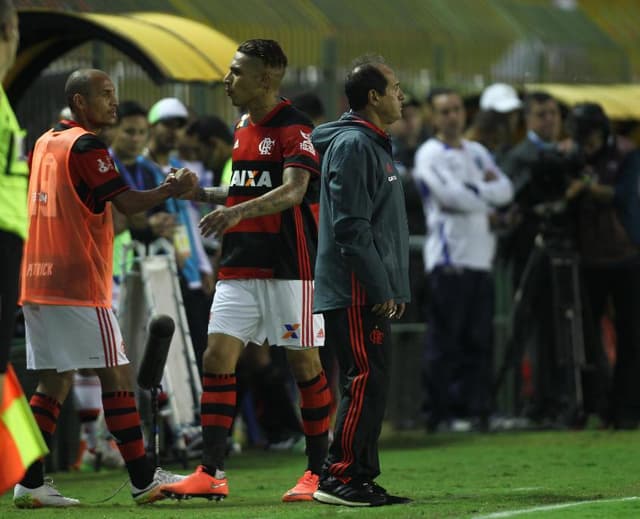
{"x":282,"y":245}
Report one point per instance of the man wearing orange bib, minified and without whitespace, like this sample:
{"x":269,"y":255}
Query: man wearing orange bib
{"x":66,"y":281}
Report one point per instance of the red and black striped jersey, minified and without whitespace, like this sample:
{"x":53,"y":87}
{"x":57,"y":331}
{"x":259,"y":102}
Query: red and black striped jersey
{"x":282,"y":245}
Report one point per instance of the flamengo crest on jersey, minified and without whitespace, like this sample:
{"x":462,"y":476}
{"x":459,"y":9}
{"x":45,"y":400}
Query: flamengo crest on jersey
{"x":266,"y":145}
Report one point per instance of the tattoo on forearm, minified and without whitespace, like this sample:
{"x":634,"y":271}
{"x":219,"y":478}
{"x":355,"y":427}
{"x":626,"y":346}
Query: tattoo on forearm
{"x":213,"y":195}
{"x":295,"y":183}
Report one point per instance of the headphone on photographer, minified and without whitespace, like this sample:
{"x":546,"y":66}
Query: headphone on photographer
{"x":584,"y":119}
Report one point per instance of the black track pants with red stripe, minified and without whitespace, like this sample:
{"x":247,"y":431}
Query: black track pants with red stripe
{"x":362,"y":342}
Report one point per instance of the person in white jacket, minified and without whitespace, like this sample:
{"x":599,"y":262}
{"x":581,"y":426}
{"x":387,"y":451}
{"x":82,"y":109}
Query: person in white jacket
{"x":461,"y":189}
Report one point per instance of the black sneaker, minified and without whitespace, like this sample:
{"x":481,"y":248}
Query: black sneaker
{"x":390,"y":498}
{"x":334,"y":492}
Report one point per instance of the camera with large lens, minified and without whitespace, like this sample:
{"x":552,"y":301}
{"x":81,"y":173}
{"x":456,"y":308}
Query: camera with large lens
{"x":553,"y":172}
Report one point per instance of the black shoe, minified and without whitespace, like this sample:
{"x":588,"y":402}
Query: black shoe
{"x":389,"y":498}
{"x":334,"y":492}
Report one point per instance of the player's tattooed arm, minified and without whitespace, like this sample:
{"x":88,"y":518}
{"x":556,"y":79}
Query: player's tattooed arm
{"x":212,"y":195}
{"x":290,"y":193}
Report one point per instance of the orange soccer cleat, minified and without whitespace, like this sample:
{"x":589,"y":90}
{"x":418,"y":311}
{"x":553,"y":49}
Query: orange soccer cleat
{"x":304,"y":489}
{"x":199,"y":484}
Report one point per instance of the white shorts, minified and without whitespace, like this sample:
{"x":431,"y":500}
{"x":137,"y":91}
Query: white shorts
{"x":72,"y":337}
{"x":278,"y":310}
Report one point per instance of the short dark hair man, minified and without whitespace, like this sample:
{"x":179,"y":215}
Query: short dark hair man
{"x":526,"y":166}
{"x":265,"y":286}
{"x":131,"y":136}
{"x":214,"y":144}
{"x":362,"y":276}
{"x":534,"y":166}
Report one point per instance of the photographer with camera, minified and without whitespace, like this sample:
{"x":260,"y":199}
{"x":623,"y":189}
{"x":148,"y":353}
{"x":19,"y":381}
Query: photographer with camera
{"x":534,"y":167}
{"x":540,"y":173}
{"x":604,"y":195}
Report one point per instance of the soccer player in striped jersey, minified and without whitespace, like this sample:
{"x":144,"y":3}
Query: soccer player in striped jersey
{"x":265,"y":286}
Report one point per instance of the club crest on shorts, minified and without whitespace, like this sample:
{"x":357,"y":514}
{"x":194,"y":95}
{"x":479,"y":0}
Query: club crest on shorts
{"x":292,"y":331}
{"x":376,"y":336}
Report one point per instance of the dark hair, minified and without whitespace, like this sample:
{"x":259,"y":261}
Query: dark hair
{"x":6,"y":8}
{"x":129,"y":109}
{"x":309,"y":103}
{"x":584,"y":119}
{"x":536,"y":97}
{"x":365,"y":76}
{"x":267,"y":51}
{"x":440,"y":91}
{"x":210,"y":126}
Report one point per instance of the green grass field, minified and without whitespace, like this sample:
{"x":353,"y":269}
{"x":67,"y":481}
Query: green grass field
{"x":449,"y":476}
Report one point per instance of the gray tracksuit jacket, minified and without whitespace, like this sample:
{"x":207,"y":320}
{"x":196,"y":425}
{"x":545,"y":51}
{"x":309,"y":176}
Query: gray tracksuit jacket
{"x":363,"y":242}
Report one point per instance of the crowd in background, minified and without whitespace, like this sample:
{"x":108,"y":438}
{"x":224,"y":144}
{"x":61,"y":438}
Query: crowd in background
{"x":564,"y":240}
{"x":524,"y":264}
{"x":485,"y":183}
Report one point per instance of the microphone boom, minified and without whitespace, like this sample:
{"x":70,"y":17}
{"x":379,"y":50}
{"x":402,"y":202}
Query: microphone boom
{"x":161,"y":330}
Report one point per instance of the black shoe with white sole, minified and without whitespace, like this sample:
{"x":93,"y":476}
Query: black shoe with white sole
{"x":353,"y":493}
{"x":390,"y":498}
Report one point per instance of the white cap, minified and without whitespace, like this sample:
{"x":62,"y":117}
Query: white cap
{"x":500,"y":97}
{"x":167,"y":108}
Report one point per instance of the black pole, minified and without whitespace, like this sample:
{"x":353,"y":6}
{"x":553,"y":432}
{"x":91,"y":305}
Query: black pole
{"x":155,"y":429}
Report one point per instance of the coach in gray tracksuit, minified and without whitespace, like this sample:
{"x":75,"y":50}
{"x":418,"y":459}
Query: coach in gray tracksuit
{"x":361,"y":275}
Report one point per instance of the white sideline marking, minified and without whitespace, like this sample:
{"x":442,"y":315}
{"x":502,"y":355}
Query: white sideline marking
{"x":512,"y":513}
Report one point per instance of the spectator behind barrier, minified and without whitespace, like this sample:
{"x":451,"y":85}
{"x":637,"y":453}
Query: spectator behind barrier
{"x":610,"y":264}
{"x":461,"y":186}
{"x":539,"y":171}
